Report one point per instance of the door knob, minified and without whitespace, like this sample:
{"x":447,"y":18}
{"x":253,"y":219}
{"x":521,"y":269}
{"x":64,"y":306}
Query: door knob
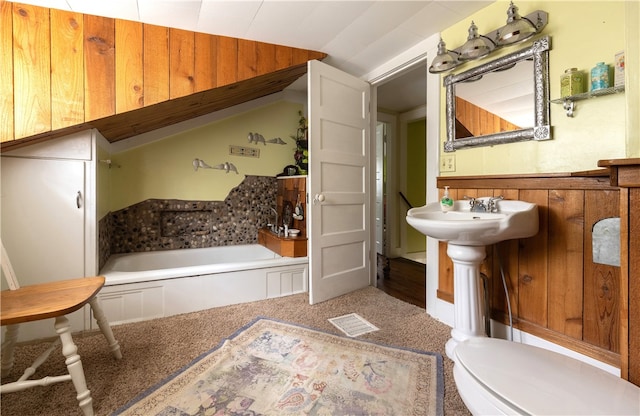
{"x":318,"y":198}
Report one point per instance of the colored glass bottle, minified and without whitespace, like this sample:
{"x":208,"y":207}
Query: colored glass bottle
{"x":600,"y":76}
{"x":571,"y":82}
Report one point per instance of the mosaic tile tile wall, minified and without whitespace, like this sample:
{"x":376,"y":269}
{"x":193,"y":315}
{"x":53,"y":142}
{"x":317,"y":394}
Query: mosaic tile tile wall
{"x":165,"y":224}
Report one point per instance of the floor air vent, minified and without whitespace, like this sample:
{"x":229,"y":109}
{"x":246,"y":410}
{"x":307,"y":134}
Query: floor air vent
{"x":353,"y":325}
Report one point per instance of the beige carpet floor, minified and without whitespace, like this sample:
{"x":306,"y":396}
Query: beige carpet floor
{"x":154,"y":349}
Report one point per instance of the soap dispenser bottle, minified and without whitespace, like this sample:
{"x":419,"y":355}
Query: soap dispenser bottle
{"x":446,"y":203}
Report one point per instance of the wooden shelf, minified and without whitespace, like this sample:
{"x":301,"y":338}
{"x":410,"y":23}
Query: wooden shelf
{"x":284,"y":246}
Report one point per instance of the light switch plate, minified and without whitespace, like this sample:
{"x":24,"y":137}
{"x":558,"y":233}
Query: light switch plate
{"x":448,"y":163}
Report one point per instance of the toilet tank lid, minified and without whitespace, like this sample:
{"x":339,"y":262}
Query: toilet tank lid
{"x":540,"y":381}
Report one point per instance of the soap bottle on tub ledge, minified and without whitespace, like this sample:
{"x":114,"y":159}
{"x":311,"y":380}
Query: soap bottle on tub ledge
{"x":446,"y":203}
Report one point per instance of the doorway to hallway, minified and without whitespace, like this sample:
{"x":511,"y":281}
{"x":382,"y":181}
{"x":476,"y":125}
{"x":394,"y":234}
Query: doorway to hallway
{"x":401,"y":162}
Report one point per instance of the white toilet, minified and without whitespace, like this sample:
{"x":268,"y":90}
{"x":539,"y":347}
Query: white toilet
{"x":496,"y":376}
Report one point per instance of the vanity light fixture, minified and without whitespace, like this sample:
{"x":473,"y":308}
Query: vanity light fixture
{"x":445,"y":60}
{"x":517,"y":29}
{"x":476,"y":46}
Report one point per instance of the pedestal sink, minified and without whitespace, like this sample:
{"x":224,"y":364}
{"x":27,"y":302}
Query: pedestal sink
{"x":467,"y":234}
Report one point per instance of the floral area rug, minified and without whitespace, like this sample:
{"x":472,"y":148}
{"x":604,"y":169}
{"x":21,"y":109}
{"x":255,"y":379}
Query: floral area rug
{"x":275,"y":368}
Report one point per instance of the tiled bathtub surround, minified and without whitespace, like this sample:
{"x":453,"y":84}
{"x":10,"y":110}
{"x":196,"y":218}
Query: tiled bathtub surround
{"x":161,"y":224}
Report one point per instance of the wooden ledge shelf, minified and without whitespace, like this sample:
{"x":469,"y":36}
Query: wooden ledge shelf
{"x":284,"y":246}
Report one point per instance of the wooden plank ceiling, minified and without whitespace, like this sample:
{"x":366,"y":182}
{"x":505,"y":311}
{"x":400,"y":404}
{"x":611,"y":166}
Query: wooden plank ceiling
{"x":63,"y":71}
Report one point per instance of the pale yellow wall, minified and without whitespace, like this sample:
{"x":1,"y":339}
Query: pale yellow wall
{"x":103,"y":182}
{"x":164,"y":170}
{"x":416,"y":185}
{"x":582,"y":34}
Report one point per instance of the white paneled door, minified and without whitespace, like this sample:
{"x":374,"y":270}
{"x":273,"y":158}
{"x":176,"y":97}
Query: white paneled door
{"x":340,"y":237}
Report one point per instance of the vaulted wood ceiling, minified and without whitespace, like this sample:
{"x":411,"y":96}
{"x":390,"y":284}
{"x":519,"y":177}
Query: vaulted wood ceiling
{"x":70,"y":71}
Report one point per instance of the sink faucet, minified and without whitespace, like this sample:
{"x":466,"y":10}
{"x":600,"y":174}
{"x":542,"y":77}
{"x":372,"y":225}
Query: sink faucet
{"x":492,"y":206}
{"x":274,"y":226}
{"x":477,"y":205}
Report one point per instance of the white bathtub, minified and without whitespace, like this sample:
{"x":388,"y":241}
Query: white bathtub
{"x":149,"y":285}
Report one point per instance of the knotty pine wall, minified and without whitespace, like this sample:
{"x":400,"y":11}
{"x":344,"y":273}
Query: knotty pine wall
{"x":293,"y":189}
{"x":61,"y":69}
{"x":480,"y":122}
{"x":556,"y":290}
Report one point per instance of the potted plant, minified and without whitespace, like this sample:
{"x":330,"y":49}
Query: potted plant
{"x":301,"y":153}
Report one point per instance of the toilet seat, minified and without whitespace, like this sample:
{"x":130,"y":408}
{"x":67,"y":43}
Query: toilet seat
{"x":530,"y":380}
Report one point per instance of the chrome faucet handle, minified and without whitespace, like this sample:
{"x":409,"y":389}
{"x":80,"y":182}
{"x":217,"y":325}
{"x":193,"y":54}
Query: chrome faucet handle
{"x":493,"y":207}
{"x":472,"y":200}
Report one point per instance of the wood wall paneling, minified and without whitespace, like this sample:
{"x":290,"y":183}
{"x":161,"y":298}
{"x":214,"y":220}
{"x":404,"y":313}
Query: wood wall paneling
{"x":505,"y":261}
{"x":181,"y":63}
{"x":284,"y":57}
{"x":166,"y":113}
{"x":247,"y":59}
{"x":601,"y":281}
{"x":566,"y":246}
{"x":6,"y":72}
{"x":266,"y":54}
{"x":67,"y":67}
{"x":293,"y":189}
{"x":206,"y":47}
{"x":301,"y":55}
{"x":99,"y":67}
{"x":479,"y":121}
{"x":625,"y":286}
{"x":532,"y":262}
{"x":625,"y":174}
{"x":63,"y":71}
{"x":129,"y":66}
{"x":227,"y":65}
{"x":445,"y":276}
{"x":32,"y":67}
{"x":155,"y":71}
{"x":633,"y":338}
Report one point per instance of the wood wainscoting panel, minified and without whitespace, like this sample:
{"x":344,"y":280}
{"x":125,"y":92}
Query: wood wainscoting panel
{"x":633,"y":338}
{"x":532,"y":264}
{"x":601,"y":282}
{"x":625,"y":174}
{"x":505,"y":261}
{"x":445,"y":275}
{"x":566,"y":257}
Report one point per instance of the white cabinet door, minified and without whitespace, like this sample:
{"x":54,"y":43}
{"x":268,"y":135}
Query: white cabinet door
{"x":43,"y":226}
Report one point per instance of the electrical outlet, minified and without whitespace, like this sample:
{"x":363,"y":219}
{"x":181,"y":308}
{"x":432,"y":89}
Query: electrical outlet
{"x":448,"y":163}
